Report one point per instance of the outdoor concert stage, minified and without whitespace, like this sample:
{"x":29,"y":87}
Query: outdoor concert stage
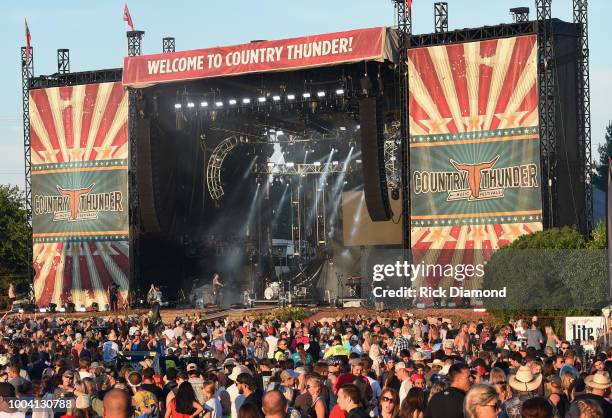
{"x":266,"y":162}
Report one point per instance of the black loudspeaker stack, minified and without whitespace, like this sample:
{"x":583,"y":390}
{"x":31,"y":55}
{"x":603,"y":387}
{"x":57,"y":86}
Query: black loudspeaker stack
{"x":373,"y":159}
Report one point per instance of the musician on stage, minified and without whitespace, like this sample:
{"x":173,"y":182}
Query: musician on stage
{"x":113,"y":296}
{"x":217,"y":285}
{"x":154,"y":299}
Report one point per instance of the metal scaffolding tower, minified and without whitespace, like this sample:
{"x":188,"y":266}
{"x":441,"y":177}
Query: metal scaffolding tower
{"x":581,"y":19}
{"x":168,"y":44}
{"x":548,"y":127}
{"x":441,"y":16}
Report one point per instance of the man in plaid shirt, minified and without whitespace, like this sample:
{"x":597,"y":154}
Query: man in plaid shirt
{"x":399,"y":343}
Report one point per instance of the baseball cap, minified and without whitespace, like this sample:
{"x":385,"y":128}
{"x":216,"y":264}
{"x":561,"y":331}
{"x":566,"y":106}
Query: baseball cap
{"x":192,"y":366}
{"x":400,"y":366}
{"x":288,"y":374}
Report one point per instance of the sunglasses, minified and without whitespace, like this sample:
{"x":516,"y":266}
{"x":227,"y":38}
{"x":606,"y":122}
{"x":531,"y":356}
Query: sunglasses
{"x":386,"y":399}
{"x":496,"y":405}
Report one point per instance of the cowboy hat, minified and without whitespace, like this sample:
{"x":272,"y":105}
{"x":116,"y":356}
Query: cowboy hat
{"x":436,"y":363}
{"x":418,"y":356}
{"x":524,"y":380}
{"x":599,"y":380}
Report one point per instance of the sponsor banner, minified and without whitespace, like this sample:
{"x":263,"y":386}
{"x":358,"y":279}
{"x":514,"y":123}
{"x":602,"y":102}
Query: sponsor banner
{"x":287,"y":54}
{"x":475,"y":150}
{"x":80,"y":222}
{"x":582,"y":327}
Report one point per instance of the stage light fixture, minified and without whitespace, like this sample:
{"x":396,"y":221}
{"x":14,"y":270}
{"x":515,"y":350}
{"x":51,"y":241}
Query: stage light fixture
{"x":204,"y":104}
{"x":43,"y":310}
{"x":358,"y":161}
{"x":271,"y":164}
{"x":177,"y":105}
{"x":291,"y":97}
{"x":340,"y":92}
{"x":306,"y":95}
{"x":279,"y":133}
{"x":232,"y":102}
{"x":343,"y":128}
{"x":321,"y":94}
{"x":335,"y":163}
{"x":358,"y":126}
{"x":276,"y":98}
{"x":261,"y":99}
{"x":246,"y":100}
{"x":219,"y":104}
{"x":290,"y":164}
{"x":191,"y":104}
{"x":317,"y":163}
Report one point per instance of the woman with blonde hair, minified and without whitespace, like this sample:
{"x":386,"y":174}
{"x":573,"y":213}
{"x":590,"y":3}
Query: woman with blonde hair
{"x":552,"y":340}
{"x":481,"y":401}
{"x":318,"y":409}
{"x":568,"y":381}
{"x":499,"y":380}
{"x":585,"y":408}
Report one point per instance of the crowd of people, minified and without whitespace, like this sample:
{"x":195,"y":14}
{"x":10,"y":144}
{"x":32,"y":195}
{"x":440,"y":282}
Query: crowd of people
{"x":355,"y":367}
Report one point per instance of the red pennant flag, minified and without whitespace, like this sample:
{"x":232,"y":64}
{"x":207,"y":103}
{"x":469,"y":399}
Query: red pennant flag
{"x":127,"y":17}
{"x":409,"y":7}
{"x":28,"y":41}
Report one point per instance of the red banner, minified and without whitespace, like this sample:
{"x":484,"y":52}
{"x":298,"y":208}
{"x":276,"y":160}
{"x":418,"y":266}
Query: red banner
{"x":287,"y":54}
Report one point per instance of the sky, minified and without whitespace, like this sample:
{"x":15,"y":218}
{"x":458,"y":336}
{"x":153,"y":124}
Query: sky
{"x":94,"y":32}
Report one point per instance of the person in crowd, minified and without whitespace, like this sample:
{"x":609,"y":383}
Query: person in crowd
{"x":116,"y":404}
{"x":585,"y":408}
{"x":389,"y":406}
{"x":524,"y":385}
{"x":414,"y":404}
{"x":449,"y":403}
{"x":537,"y":407}
{"x":349,"y":401}
{"x":598,"y":390}
{"x":185,"y":404}
{"x":482,"y":401}
{"x":212,"y":404}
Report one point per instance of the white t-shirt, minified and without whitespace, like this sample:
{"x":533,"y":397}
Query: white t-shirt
{"x":16,"y":414}
{"x":214,"y":406}
{"x":236,"y":398}
{"x":404,"y":389}
{"x":272,"y":344}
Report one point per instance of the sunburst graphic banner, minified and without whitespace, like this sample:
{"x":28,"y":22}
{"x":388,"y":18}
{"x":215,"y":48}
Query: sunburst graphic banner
{"x":475,"y":151}
{"x":79,"y":144}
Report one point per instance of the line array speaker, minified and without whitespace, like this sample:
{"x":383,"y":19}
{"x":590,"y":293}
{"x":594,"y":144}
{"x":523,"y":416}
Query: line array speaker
{"x":373,"y":159}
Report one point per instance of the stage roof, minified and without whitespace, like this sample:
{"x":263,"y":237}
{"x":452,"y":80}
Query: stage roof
{"x":374,"y":44}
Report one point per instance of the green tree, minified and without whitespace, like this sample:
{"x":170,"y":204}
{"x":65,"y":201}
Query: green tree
{"x":15,"y":233}
{"x":600,"y":177}
{"x":552,"y":269}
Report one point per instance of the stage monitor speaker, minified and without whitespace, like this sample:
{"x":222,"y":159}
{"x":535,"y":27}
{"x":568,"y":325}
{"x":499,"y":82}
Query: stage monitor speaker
{"x":373,"y":159}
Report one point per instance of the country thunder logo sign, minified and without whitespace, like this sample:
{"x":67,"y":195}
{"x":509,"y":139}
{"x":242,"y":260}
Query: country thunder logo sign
{"x":74,"y":205}
{"x":474,"y":182}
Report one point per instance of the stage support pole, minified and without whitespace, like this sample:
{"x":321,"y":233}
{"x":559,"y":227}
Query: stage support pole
{"x":134,"y":49}
{"x":27,"y":72}
{"x":581,"y":19}
{"x":548,"y":127}
{"x":404,"y":26}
